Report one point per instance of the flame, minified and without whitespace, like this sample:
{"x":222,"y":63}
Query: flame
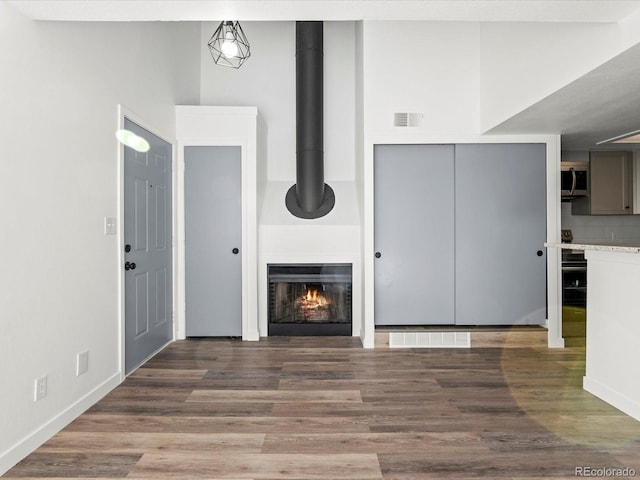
{"x":313,"y":299}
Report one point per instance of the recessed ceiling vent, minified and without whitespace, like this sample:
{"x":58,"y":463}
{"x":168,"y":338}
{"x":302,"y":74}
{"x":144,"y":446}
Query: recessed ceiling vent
{"x":406,"y":119}
{"x":310,"y":197}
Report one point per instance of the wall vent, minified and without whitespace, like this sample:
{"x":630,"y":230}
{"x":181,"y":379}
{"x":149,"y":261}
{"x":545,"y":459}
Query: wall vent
{"x":429,"y":340}
{"x":406,"y":119}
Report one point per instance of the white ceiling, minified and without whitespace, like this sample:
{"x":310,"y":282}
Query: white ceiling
{"x":256,"y":10}
{"x":600,"y":105}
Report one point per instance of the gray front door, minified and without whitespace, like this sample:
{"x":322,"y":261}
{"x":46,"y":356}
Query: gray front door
{"x":213,"y":237}
{"x":414,"y":234}
{"x":148,"y":254}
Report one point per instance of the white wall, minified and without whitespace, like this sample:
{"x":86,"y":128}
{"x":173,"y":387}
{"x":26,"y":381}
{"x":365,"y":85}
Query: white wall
{"x":267,"y":80}
{"x":425,"y":67}
{"x":59,"y":92}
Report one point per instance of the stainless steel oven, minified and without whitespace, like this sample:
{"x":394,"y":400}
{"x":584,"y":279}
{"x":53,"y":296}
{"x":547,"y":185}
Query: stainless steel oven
{"x":574,"y":293}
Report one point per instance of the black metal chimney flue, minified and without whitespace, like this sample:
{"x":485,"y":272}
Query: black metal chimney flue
{"x":310,"y":197}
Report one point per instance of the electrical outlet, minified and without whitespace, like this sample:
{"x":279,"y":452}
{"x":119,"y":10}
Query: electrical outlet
{"x":40,"y":388}
{"x":82,"y":363}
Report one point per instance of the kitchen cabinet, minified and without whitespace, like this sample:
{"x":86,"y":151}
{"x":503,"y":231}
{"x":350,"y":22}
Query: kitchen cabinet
{"x":613,"y":339}
{"x":611,"y":185}
{"x":459,"y":234}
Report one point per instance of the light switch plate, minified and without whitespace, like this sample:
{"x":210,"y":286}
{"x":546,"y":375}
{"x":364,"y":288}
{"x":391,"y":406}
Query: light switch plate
{"x":82,"y":363}
{"x":109,"y":226}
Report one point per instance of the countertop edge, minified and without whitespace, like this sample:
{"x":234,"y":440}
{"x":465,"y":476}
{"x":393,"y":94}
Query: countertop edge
{"x":590,"y":246}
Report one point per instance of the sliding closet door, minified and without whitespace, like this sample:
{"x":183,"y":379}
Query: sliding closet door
{"x":414,"y":231}
{"x":500,"y":223}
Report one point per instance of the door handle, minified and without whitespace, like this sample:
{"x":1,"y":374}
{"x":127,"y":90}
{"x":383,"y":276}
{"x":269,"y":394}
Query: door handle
{"x":235,"y":251}
{"x":129,"y":266}
{"x":574,"y":180}
{"x":378,"y":255}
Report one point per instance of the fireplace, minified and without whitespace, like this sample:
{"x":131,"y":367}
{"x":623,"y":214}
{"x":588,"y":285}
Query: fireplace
{"x":309,"y":299}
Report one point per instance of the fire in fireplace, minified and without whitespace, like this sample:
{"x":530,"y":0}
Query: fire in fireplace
{"x":309,"y":299}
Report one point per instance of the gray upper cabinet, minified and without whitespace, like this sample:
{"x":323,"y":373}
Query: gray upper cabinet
{"x":611,"y":190}
{"x":459,"y":234}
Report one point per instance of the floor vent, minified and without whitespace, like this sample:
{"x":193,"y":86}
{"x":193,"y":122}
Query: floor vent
{"x":429,"y":340}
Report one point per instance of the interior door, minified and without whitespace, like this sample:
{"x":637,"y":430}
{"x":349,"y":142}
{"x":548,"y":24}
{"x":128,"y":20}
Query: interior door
{"x":414,"y":231}
{"x":148,"y":249}
{"x":213,"y":237}
{"x":500,"y":233}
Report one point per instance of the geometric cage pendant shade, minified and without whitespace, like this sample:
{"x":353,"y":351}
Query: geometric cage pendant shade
{"x":228,"y":45}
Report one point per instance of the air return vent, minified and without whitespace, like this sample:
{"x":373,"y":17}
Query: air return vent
{"x":429,"y":340}
{"x":406,"y":119}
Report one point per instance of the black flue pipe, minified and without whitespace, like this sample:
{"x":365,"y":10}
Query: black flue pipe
{"x":310,"y":197}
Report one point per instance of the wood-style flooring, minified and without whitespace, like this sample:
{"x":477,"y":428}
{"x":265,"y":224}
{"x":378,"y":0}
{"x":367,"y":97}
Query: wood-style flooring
{"x":324,"y":408}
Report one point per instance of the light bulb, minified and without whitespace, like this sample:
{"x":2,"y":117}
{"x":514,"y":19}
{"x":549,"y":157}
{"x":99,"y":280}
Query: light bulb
{"x":229,"y":47}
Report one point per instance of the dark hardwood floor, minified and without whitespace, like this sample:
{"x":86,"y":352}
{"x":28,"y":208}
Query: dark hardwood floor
{"x":324,"y":408}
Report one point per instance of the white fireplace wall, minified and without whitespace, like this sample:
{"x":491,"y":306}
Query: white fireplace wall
{"x":334,"y":238}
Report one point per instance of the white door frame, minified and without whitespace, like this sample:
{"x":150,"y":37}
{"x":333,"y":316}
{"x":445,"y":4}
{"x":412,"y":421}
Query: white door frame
{"x":554,"y":283}
{"x":181,"y":320}
{"x":198,"y":126}
{"x":123,"y":113}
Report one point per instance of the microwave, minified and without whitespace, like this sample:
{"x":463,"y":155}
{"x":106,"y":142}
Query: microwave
{"x":574,"y":179}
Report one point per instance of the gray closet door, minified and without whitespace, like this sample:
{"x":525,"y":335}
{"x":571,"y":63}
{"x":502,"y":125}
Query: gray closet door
{"x":414,"y":229}
{"x":148,"y":256}
{"x":213,"y":236}
{"x":500,"y":230}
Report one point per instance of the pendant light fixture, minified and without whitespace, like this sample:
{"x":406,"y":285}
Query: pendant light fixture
{"x":228,"y":45}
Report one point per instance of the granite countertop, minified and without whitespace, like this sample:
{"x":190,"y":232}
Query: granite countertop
{"x":602,"y":247}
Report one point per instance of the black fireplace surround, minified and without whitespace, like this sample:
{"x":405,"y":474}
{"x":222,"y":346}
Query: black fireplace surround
{"x":309,"y":299}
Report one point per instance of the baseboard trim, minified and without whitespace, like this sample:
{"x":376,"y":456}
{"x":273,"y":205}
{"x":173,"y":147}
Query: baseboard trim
{"x":368,"y":341}
{"x":251,"y":336}
{"x":10,"y":457}
{"x":614,"y":398}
